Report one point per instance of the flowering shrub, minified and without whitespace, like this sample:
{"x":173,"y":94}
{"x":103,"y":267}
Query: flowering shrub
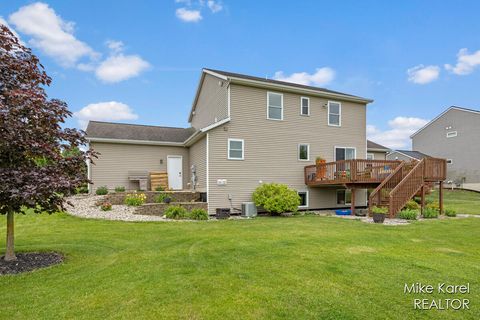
{"x":135,"y":199}
{"x":106,"y":206}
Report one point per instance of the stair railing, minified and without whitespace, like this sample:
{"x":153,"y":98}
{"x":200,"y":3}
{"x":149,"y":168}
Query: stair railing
{"x":406,"y":188}
{"x":382,"y":192}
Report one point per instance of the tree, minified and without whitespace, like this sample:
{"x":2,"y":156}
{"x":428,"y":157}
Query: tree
{"x":33,"y":172}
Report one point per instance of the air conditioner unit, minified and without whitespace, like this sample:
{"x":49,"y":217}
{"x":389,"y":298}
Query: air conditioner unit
{"x":249,"y":209}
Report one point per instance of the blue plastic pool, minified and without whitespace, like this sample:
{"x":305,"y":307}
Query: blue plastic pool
{"x":343,"y":212}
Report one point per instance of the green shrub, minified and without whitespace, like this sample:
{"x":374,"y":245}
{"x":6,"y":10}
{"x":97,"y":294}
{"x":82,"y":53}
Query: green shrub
{"x":102,"y":191}
{"x":176,"y":212}
{"x":433,"y":205}
{"x":408,"y":214}
{"x":135,"y":199}
{"x":159,"y":188}
{"x":120,"y":189}
{"x":382,"y":210}
{"x":163,"y":198}
{"x":276,"y":198}
{"x":429,"y":213}
{"x":450,"y":212}
{"x":198,"y":214}
{"x":106,"y":206}
{"x":82,"y":189}
{"x":411,"y":205}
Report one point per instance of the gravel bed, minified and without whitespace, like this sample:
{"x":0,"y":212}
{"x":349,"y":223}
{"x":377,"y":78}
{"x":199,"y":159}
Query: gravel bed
{"x":84,"y":207}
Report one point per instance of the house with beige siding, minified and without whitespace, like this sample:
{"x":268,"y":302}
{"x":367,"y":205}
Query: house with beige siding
{"x":246,"y":131}
{"x":376,"y":151}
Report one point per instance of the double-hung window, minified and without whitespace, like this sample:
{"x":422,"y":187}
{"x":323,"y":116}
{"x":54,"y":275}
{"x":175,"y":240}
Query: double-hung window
{"x":274,"y":106}
{"x":235,"y":149}
{"x":303,"y":152}
{"x":334,"y":114}
{"x":304,"y":106}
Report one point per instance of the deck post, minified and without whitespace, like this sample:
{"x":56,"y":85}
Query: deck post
{"x":353,"y":202}
{"x":440,"y":197}
{"x":422,"y":205}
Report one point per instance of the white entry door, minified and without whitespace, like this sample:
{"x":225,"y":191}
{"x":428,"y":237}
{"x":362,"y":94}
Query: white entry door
{"x":175,"y":172}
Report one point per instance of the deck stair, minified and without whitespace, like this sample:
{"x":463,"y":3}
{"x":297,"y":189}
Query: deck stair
{"x":405,"y":182}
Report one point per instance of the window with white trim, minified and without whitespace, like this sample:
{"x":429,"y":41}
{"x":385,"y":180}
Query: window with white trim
{"x":344,"y":197}
{"x":303,"y":199}
{"x":344,"y":153}
{"x":370,"y":156}
{"x":235,"y":149}
{"x":274,"y":106}
{"x":304,"y":106}
{"x":334,"y":114}
{"x":451,"y":134}
{"x":304,"y":152}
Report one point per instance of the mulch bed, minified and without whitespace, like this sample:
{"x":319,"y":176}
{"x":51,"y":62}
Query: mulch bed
{"x":29,"y":261}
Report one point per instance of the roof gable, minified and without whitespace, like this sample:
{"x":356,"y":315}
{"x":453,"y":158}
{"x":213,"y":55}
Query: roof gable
{"x":452,"y":108}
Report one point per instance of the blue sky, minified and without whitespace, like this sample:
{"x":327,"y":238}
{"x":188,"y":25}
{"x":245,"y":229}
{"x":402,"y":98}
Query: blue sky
{"x":140,"y":63}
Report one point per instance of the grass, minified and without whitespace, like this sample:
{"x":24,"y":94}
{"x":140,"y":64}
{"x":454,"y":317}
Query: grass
{"x":268,"y":268}
{"x":463,"y":201}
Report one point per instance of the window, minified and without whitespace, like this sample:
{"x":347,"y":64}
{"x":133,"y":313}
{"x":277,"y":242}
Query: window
{"x":370,"y":156}
{"x":304,"y":152}
{"x":274,"y":106}
{"x":334,"y":114}
{"x":344,"y":197}
{"x":304,"y":106}
{"x":303,"y":198}
{"x":235,"y":149}
{"x":342,"y":153}
{"x":449,"y":161}
{"x":451,"y":134}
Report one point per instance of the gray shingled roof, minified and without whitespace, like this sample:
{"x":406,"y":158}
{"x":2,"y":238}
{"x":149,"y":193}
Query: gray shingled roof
{"x":109,"y":130}
{"x":373,"y":145}
{"x":414,"y":154}
{"x":243,"y":76}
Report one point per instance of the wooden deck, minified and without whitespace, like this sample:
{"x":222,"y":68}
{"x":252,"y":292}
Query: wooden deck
{"x":346,"y":172}
{"x":395,"y":182}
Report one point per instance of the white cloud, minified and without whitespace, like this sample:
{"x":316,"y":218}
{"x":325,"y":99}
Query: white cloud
{"x":104,"y":111}
{"x":115,"y":46}
{"x":121,"y":67}
{"x":187,"y":15}
{"x":50,"y":33}
{"x":466,"y":62}
{"x":423,"y":74}
{"x":320,"y":77}
{"x":214,"y":6}
{"x":398,"y":134}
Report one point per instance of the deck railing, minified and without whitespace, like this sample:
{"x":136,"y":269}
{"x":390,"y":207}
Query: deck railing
{"x":350,"y":171}
{"x":435,"y":169}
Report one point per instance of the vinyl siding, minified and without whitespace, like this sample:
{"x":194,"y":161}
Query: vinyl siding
{"x":116,"y":160}
{"x":271,"y":146}
{"x":398,"y":156}
{"x":378,"y":155}
{"x":198,"y":158}
{"x":464,"y":149}
{"x":211,"y":103}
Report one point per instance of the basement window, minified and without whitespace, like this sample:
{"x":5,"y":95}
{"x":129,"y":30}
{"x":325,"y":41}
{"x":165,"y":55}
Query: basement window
{"x":303,"y":198}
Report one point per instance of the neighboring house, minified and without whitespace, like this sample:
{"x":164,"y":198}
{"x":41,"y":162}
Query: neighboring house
{"x":406,"y":155}
{"x":455,"y":136}
{"x":246,"y":131}
{"x":376,"y":151}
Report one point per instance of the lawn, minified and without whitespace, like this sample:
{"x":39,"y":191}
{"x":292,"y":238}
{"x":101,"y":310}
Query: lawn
{"x":268,"y":268}
{"x":461,"y":200}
